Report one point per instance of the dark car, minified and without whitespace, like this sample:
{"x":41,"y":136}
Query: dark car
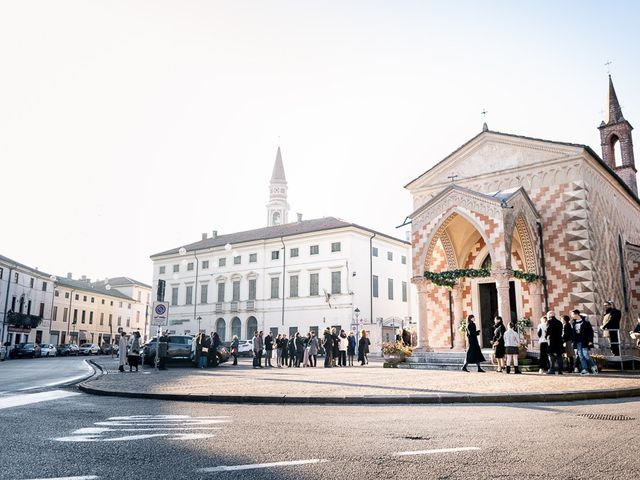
{"x":179,"y":349}
{"x":68,"y":350}
{"x":108,"y":349}
{"x":25,"y":350}
{"x":223,"y":352}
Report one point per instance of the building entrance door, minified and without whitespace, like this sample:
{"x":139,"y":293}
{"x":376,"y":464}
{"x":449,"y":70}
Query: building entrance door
{"x":489,"y":310}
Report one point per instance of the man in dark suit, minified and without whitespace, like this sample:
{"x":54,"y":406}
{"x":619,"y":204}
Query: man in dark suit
{"x":611,"y":325}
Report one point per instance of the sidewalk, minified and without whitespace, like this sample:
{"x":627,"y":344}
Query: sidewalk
{"x":371,"y":384}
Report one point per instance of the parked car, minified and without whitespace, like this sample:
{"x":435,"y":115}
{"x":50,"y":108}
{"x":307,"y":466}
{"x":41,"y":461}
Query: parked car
{"x":48,"y":350}
{"x":25,"y":350}
{"x":179,"y":349}
{"x":107,"y":349}
{"x":68,"y":349}
{"x":223,"y":352}
{"x":245,"y":348}
{"x":89,"y":349}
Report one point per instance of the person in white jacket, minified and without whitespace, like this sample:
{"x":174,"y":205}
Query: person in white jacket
{"x":511,"y":342}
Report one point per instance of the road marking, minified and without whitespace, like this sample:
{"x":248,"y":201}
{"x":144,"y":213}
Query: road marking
{"x":29,"y":398}
{"x":85,"y":477}
{"x":438,"y":450}
{"x":254,"y":466}
{"x":59,"y":382}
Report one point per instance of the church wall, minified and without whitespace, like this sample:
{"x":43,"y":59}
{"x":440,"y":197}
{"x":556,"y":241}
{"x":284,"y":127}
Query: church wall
{"x":438,"y":303}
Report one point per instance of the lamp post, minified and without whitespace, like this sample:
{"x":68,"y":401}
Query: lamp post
{"x":199,"y":319}
{"x":182,"y":252}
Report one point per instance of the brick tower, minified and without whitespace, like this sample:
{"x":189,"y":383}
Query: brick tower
{"x":617,"y":129}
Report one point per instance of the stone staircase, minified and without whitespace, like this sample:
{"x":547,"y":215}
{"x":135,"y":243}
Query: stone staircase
{"x":450,"y":361}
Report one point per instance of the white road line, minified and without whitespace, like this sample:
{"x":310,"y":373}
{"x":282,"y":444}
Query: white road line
{"x":85,"y":477}
{"x":438,"y":450}
{"x":233,"y":468}
{"x":59,"y":382}
{"x":29,"y":398}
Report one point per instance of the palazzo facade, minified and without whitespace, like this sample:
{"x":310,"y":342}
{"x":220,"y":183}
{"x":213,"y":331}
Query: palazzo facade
{"x":511,"y":203}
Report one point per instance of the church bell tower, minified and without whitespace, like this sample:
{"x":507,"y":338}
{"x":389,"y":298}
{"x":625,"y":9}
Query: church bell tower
{"x":616,"y":130}
{"x":277,"y":208}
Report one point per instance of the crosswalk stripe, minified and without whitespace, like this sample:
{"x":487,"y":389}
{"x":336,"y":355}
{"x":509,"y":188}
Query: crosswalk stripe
{"x":30,"y":398}
{"x":437,"y":450}
{"x":84,"y":477}
{"x":255,"y":466}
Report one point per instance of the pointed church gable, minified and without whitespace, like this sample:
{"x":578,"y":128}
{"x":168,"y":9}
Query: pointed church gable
{"x":491,"y":153}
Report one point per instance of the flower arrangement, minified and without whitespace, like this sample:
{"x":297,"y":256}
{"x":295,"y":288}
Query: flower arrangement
{"x":396,"y":348}
{"x":601,"y":360}
{"x":462,"y":326}
{"x":449,"y":278}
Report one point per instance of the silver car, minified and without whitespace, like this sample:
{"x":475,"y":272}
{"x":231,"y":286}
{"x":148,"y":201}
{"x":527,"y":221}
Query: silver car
{"x":48,"y":350}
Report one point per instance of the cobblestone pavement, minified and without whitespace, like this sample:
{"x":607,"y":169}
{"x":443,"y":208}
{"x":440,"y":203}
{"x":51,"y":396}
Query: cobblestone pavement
{"x":371,"y":380}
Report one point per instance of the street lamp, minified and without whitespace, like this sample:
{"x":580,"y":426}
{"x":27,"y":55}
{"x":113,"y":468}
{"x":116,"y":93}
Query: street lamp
{"x":199,"y":320}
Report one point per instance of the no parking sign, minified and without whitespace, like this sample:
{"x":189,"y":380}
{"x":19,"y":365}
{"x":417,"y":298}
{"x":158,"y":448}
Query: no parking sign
{"x":160,"y":313}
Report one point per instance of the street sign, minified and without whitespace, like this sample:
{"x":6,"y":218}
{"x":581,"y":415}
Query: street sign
{"x":160,"y":314}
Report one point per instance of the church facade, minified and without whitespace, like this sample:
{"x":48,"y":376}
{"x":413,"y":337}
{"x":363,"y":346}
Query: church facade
{"x":552,"y":225}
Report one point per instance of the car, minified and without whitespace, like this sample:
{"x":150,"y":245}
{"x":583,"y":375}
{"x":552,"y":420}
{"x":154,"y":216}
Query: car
{"x":245,"y":348}
{"x":178,"y":349}
{"x":223,"y":352}
{"x":89,"y":349}
{"x":25,"y":350}
{"x":107,"y":349}
{"x":48,"y":350}
{"x":68,"y":350}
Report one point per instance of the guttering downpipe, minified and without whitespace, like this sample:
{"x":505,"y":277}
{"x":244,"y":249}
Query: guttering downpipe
{"x":543,"y":268}
{"x":371,"y":278}
{"x":284,"y":265}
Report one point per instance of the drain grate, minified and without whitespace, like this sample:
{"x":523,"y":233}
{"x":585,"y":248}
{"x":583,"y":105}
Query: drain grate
{"x":415,"y":437}
{"x":604,"y":416}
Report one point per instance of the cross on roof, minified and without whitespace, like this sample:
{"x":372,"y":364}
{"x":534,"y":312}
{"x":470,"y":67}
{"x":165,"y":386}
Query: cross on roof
{"x":608,"y":65}
{"x":452,"y":178}
{"x":484,"y":114}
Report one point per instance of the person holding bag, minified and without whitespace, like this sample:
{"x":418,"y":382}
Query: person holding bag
{"x":474,"y":353}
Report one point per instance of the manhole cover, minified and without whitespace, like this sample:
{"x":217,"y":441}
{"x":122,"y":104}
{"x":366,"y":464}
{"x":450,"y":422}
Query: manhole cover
{"x":603,"y":416}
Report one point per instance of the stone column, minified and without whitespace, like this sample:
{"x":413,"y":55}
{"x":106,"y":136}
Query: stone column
{"x":535,"y":290}
{"x":423,"y":315}
{"x":502,"y":278}
{"x":458,"y":336}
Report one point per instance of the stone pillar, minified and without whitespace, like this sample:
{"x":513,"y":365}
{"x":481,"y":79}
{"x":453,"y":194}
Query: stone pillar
{"x":502,"y":278}
{"x":423,"y":315}
{"x":535,"y":290}
{"x":458,"y":336}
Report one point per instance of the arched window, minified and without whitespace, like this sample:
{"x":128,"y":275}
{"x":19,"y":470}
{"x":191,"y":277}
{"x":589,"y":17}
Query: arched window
{"x":276,"y":218}
{"x":221,"y":328}
{"x":236,"y":327}
{"x":487,"y":262}
{"x":616,"y":151}
{"x":252,"y":326}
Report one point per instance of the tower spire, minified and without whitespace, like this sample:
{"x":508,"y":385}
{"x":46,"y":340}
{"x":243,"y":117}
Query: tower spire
{"x":615,"y":112}
{"x":277,"y":208}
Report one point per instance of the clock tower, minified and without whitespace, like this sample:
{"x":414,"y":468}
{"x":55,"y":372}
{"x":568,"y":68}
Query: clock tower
{"x":277,"y":208}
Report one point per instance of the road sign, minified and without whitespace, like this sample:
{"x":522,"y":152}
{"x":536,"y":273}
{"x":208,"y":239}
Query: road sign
{"x":160,"y":313}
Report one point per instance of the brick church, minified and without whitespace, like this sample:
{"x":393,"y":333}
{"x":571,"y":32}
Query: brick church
{"x":555,"y":225}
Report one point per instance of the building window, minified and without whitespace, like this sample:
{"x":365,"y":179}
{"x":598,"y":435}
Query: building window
{"x":16,"y":277}
{"x":129,"y":306}
{"x":103,"y":301}
{"x":110,"y":318}
{"x":275,"y":254}
{"x":56,"y":293}
{"x":55,"y":314}
{"x":374,"y":251}
{"x":1,"y":273}
{"x":65,"y":313}
{"x":374,"y":286}
{"x":174,"y":296}
{"x":101,"y":318}
{"x":205,"y":264}
{"x":253,"y":257}
{"x":336,"y":280}
{"x":77,"y":297}
{"x":336,"y":247}
{"x":189,"y":297}
{"x":294,"y":252}
{"x":119,"y":321}
{"x":403,"y":259}
{"x":163,"y":270}
{"x":292,"y":331}
{"x":84,"y":298}
{"x":222,"y":262}
{"x":128,"y":321}
{"x":390,"y":256}
{"x":275,"y":287}
{"x":220,"y":292}
{"x":31,"y":282}
{"x":237,"y":260}
{"x":252,"y":289}
{"x":93,"y":299}
{"x":293,"y":286}
{"x":41,"y":310}
{"x":404,"y":291}
{"x":314,"y":249}
{"x":84,"y":316}
{"x":75,"y":316}
{"x":66,"y":294}
{"x":235,"y":291}
{"x":44,"y":286}
{"x":29,"y":308}
{"x":111,"y":303}
{"x":204,"y":293}
{"x":137,"y":316}
{"x":90,"y":318}
{"x":190,"y":267}
{"x":176,"y":268}
{"x":314,"y":284}
{"x":390,"y":287}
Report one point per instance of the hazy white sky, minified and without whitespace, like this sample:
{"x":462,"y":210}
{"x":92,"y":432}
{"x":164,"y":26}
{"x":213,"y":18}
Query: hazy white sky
{"x":130,"y":127}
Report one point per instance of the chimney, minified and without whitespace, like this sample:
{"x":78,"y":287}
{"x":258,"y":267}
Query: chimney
{"x":299,"y":217}
{"x":214,"y":234}
{"x":70,"y":276}
{"x":204,"y":236}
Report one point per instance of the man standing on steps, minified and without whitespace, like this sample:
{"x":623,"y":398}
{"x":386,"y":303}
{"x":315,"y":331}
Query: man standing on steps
{"x":258,"y":345}
{"x":611,"y":326}
{"x":268,"y":349}
{"x":556,"y":344}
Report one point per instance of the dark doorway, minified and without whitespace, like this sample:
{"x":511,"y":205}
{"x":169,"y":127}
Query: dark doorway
{"x":489,"y":309}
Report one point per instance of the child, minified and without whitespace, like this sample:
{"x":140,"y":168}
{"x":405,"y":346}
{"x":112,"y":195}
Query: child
{"x":511,"y":340}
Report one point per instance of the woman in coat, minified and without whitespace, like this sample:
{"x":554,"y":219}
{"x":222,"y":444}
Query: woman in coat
{"x":213,"y":349}
{"x":498,"y":342}
{"x":363,"y":345}
{"x":293,"y":354}
{"x":335,"y":353}
{"x":328,"y":347}
{"x":134,"y":351}
{"x":342,"y":347}
{"x":351,"y":348}
{"x":122,"y":351}
{"x":235,"y":343}
{"x":299,"y":349}
{"x":474,"y":354}
{"x":313,"y":350}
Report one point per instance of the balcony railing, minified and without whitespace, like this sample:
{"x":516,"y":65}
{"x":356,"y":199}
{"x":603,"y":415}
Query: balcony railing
{"x":251,"y":305}
{"x":219,"y":307}
{"x":234,"y":306}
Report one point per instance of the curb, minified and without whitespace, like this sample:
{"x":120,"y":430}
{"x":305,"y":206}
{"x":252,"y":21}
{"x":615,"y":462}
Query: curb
{"x":376,"y":399}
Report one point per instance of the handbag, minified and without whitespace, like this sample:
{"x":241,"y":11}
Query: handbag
{"x":205,"y":350}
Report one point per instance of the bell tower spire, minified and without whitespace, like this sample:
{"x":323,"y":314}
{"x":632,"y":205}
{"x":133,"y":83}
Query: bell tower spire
{"x":277,"y":208}
{"x":617,"y":130}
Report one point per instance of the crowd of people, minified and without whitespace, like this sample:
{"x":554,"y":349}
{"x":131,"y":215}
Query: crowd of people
{"x":564,"y":344}
{"x":299,"y":350}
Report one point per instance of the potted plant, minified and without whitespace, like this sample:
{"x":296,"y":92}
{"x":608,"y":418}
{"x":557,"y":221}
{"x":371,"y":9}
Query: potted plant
{"x":395,"y":352}
{"x":523,"y":326}
{"x":601,"y":360}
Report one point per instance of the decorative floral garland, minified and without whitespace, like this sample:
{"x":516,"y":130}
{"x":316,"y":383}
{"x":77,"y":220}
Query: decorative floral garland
{"x":449,"y":278}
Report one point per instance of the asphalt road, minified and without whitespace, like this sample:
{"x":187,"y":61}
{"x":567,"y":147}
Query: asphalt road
{"x":71,"y":434}
{"x":36,"y":373}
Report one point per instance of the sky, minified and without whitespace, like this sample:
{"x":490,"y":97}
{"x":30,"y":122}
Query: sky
{"x":131,"y":127}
